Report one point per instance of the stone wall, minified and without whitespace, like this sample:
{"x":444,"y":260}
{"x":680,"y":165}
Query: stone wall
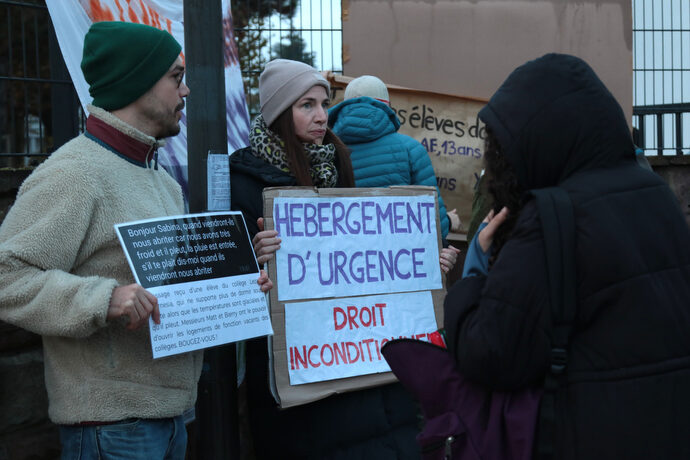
{"x":675,"y":170}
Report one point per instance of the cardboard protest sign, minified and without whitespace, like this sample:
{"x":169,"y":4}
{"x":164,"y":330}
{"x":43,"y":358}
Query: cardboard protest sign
{"x":202,"y":270}
{"x":356,"y":268}
{"x":339,"y":338}
{"x":448,"y":127}
{"x":386,"y":245}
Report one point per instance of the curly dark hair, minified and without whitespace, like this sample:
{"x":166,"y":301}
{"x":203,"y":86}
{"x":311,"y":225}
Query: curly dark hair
{"x":504,"y":189}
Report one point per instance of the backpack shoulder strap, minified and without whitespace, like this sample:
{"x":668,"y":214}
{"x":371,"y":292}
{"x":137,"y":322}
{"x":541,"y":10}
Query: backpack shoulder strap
{"x":558,"y":226}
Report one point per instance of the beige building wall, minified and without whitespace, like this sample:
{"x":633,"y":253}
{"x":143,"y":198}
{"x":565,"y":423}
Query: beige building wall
{"x":468,"y":47}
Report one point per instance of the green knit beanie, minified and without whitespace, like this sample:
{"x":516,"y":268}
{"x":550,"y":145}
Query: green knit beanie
{"x":123,"y":60}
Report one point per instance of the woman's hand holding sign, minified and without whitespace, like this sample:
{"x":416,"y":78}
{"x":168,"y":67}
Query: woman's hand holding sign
{"x":448,"y":258}
{"x":264,"y":282}
{"x":266,"y":243}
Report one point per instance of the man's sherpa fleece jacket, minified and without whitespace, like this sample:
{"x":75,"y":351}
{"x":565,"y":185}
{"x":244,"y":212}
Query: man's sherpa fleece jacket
{"x":59,"y":262}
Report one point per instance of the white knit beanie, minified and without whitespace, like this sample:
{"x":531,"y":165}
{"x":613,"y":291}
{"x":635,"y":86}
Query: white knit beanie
{"x":367,"y":85}
{"x":283,"y":82}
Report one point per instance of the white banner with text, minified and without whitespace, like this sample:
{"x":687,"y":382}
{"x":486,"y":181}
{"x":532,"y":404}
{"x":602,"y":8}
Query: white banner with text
{"x":333,"y":339}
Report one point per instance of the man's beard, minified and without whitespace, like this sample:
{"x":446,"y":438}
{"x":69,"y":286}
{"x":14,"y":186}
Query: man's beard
{"x":167,"y":121}
{"x":172,"y":125}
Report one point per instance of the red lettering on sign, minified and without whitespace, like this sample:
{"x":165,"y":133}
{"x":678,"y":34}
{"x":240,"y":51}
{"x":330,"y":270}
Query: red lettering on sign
{"x":351,"y":316}
{"x":301,"y":359}
{"x":366,"y":323}
{"x":339,"y":352}
{"x":339,"y":326}
{"x":327,"y":363}
{"x":349,"y":356}
{"x":312,"y":348}
{"x":367,"y":342}
{"x":367,"y":316}
{"x":381,"y":306}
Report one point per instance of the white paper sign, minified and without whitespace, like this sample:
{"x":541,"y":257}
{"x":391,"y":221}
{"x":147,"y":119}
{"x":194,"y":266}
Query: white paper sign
{"x":206,"y":313}
{"x":203,"y":271}
{"x":345,"y":246}
{"x":333,"y":339}
{"x":218,"y":181}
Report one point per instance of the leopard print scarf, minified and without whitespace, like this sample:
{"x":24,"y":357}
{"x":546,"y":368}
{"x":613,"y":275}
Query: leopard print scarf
{"x":267,"y":146}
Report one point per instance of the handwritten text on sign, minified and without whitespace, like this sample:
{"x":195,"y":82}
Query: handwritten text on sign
{"x":344,"y":246}
{"x":202,"y":270}
{"x":340,"y":338}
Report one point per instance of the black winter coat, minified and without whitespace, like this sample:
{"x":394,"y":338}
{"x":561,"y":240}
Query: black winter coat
{"x":628,"y":373}
{"x":372,"y":424}
{"x":249,"y":176}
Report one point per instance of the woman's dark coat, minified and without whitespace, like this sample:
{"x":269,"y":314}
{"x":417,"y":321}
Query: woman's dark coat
{"x":377,"y":423}
{"x":627,"y":395}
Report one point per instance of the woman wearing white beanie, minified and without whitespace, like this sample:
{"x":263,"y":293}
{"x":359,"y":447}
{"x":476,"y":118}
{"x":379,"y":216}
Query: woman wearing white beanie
{"x":291,"y":144}
{"x":383,"y":157}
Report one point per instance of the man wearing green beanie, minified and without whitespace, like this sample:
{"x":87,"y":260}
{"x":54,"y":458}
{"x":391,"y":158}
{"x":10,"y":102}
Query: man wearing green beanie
{"x":64,"y":275}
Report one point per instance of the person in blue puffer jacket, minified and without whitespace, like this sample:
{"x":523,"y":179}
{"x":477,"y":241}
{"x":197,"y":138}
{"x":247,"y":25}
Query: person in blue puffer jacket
{"x":380,"y":155}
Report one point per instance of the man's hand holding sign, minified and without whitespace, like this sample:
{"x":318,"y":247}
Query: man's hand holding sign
{"x":198,"y":282}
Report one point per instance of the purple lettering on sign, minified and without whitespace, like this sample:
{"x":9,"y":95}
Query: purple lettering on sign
{"x":417,"y":263}
{"x":353,"y":229}
{"x":383,"y":215}
{"x":429,"y":207}
{"x":357,"y":274}
{"x":387,"y":263}
{"x":323,"y":219}
{"x":339,"y":261}
{"x":367,"y":217}
{"x":298,"y":259}
{"x":337,"y":217}
{"x":310,"y":218}
{"x":398,"y":217}
{"x":403,"y":276}
{"x":281,"y":219}
{"x":371,"y":266}
{"x":413,"y":217}
{"x":322,"y":280}
{"x":294,"y":219}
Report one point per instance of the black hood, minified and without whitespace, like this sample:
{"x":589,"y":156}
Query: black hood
{"x":553,"y":117}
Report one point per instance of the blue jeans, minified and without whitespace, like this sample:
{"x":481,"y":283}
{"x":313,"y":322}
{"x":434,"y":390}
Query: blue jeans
{"x":131,"y":439}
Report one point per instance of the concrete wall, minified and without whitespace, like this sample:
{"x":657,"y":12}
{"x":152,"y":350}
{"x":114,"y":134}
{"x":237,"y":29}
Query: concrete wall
{"x":468,"y":47}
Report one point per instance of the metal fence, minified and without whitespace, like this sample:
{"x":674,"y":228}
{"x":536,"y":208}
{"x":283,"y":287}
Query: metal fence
{"x":38,"y":107}
{"x":305,"y":30}
{"x":661,"y":76}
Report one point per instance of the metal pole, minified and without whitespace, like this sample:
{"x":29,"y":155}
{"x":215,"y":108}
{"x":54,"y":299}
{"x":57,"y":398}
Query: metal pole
{"x":216,"y":431}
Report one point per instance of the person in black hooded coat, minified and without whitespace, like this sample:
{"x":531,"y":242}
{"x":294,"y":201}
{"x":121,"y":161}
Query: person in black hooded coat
{"x":554,"y":123}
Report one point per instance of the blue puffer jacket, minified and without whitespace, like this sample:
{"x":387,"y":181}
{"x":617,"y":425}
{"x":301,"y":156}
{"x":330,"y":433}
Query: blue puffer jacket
{"x":380,"y":155}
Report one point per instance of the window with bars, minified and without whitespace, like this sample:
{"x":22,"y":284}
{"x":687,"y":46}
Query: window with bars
{"x":661,"y":76}
{"x":38,"y":106}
